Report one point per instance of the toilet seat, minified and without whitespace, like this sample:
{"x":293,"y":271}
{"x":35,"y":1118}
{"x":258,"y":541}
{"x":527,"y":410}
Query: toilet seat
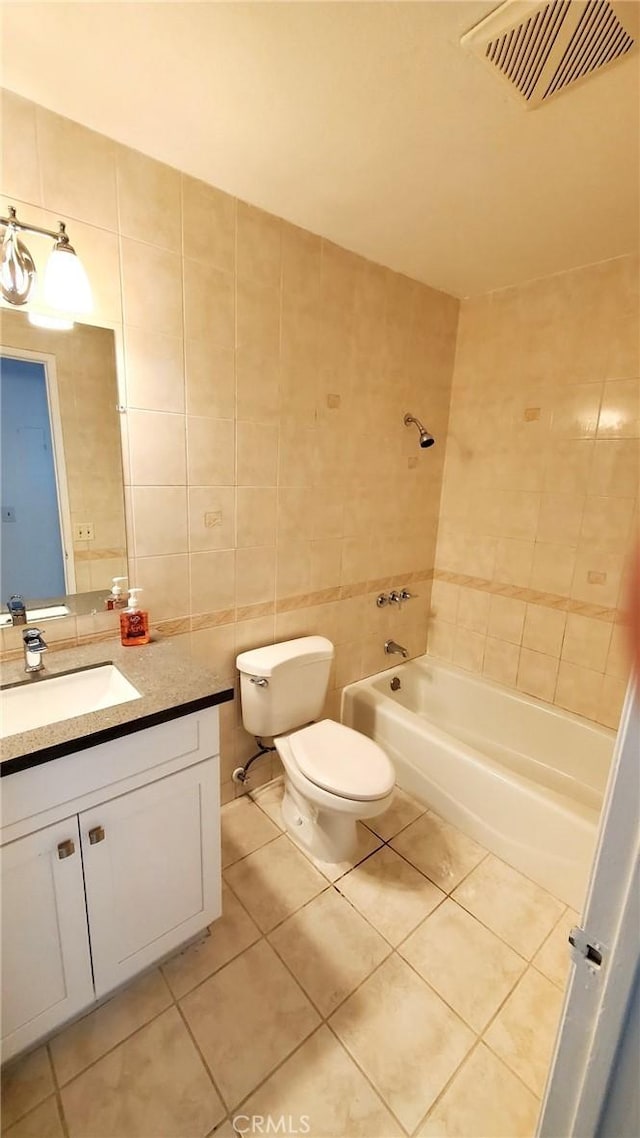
{"x":342,"y":761}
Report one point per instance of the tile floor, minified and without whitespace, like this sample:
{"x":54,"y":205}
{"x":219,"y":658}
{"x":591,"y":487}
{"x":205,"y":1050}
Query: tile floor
{"x":415,"y":990}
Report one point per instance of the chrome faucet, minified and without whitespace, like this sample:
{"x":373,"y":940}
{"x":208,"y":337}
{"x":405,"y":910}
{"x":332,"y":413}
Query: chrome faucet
{"x":34,"y":646}
{"x":390,"y":647}
{"x":17,"y":609}
{"x":397,"y":596}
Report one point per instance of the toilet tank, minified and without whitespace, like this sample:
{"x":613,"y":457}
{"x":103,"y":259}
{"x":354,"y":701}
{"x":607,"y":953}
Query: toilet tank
{"x":283,"y":686}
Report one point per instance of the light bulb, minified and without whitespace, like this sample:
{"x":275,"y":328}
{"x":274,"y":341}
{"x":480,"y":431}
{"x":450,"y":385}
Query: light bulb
{"x":66,"y":285}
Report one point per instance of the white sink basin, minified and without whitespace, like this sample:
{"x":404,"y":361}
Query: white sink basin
{"x":38,"y":702}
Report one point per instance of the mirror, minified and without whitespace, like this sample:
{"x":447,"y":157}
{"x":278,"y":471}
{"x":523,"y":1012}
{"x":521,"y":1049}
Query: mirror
{"x":62,"y":531}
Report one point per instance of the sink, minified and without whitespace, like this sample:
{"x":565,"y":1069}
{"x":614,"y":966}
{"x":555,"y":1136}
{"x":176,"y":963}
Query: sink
{"x":37,"y":614}
{"x":38,"y":702}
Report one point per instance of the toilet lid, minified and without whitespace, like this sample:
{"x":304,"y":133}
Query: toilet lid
{"x":342,"y":761}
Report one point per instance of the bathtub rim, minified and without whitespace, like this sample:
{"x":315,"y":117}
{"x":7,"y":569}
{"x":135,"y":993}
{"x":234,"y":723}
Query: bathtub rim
{"x":515,"y":696}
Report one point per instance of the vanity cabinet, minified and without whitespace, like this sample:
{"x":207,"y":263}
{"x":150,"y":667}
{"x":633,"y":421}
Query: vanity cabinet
{"x":145,"y":856}
{"x":46,"y":966}
{"x":124,"y":873}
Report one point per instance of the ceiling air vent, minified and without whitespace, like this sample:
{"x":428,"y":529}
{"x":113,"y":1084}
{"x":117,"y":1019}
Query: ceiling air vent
{"x":544,"y":48}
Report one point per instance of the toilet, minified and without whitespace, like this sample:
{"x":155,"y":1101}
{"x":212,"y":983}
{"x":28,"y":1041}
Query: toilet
{"x":334,"y":776}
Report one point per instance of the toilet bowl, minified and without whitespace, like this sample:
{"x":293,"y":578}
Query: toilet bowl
{"x":334,"y":776}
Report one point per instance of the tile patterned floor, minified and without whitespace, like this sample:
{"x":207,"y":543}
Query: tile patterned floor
{"x":413,"y":991}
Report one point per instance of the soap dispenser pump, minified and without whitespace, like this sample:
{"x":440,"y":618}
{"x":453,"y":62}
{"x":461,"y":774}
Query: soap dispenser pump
{"x":116,"y":598}
{"x":134,"y":622}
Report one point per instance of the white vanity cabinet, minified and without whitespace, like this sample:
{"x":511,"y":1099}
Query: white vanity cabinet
{"x":145,"y":856}
{"x":46,"y":966}
{"x":117,"y":865}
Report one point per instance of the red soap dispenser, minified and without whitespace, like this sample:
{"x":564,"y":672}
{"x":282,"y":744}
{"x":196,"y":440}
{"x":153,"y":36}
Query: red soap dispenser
{"x":134,"y":622}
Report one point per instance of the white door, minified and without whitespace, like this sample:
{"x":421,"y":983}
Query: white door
{"x":46,"y":968}
{"x":152,"y":871}
{"x":606,"y":954}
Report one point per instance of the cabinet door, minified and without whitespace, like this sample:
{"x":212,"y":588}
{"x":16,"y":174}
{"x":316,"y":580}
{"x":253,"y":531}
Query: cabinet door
{"x":152,"y":871}
{"x":46,"y":968}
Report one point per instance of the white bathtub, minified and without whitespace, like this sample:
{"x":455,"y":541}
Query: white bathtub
{"x":523,"y":778}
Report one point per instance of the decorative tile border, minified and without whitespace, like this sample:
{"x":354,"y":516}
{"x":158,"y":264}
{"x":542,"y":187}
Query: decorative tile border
{"x":531,"y":596}
{"x":99,"y":554}
{"x":223,"y":617}
{"x":383,"y":584}
{"x":199,"y":622}
{"x":309,"y":600}
{"x":254,"y":612}
{"x":175,"y":627}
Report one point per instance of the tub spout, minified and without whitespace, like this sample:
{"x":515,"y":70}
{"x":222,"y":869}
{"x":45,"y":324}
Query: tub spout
{"x":390,"y":647}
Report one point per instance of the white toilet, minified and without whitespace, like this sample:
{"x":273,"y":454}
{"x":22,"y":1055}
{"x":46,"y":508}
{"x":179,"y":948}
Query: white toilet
{"x":333,"y":775}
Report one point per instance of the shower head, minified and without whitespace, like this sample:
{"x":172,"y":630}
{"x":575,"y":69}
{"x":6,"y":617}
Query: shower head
{"x":426,"y":440}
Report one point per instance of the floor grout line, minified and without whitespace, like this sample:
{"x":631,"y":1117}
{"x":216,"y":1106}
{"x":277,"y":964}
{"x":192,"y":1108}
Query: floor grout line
{"x":203,"y":1061}
{"x":211,"y":1133}
{"x":493,"y":1020}
{"x":58,"y":1093}
{"x":64,"y":1126}
{"x":366,"y":1076}
{"x":109,"y":1050}
{"x":275,"y":1069}
{"x":446,"y":1086}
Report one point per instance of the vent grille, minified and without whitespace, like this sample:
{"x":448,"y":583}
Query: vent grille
{"x":551,"y":45}
{"x":598,"y":39}
{"x":522,"y":52}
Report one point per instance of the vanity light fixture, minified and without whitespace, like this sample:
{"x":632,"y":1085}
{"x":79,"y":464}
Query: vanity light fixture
{"x":66,"y":285}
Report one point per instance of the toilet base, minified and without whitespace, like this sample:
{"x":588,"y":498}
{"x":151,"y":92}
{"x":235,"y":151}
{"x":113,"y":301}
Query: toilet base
{"x":326,"y":835}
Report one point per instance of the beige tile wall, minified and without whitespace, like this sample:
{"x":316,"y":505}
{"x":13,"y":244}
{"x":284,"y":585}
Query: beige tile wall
{"x":87,"y":396}
{"x":272,"y":488}
{"x":540,"y":495}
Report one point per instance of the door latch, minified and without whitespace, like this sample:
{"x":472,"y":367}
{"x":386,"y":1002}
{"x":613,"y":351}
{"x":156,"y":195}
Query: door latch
{"x":583,"y":948}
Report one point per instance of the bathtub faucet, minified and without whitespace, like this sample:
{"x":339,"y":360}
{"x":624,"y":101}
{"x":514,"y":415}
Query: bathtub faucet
{"x":390,"y":647}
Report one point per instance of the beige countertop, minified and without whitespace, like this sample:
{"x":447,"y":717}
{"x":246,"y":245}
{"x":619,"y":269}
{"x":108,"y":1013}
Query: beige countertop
{"x":170,"y":684}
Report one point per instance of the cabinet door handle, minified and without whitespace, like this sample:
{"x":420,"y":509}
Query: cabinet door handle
{"x":66,"y":849}
{"x":96,"y":835}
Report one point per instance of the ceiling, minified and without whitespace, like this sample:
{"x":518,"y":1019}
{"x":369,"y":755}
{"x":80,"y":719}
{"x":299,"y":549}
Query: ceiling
{"x":364,"y":122}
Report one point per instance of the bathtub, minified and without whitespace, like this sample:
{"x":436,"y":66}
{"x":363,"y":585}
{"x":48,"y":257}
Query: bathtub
{"x":521,"y":777}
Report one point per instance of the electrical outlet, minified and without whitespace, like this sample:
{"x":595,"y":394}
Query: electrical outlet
{"x":83,"y":531}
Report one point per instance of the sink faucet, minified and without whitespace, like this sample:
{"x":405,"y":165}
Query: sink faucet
{"x":17,"y":609}
{"x":390,"y":647}
{"x":34,"y":646}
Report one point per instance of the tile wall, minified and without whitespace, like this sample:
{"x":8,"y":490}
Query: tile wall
{"x":540,"y":495}
{"x":271,"y":486}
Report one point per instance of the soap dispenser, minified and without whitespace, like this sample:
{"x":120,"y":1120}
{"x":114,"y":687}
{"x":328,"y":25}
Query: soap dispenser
{"x":134,"y":623}
{"x":116,"y":598}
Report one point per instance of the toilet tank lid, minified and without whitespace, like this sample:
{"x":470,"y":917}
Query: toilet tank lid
{"x":304,"y":650}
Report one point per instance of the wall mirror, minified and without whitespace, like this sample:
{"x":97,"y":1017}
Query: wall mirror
{"x":62,"y":532}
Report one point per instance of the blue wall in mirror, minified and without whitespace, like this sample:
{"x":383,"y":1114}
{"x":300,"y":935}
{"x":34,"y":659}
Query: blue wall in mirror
{"x":32,"y":558}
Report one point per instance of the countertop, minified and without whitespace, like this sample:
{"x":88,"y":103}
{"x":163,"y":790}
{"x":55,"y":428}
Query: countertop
{"x":170,"y":683}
